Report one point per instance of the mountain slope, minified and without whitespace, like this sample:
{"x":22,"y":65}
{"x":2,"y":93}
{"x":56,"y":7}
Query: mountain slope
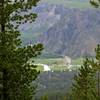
{"x":64,"y":31}
{"x":46,"y":19}
{"x":69,"y":3}
{"x":76,"y":33}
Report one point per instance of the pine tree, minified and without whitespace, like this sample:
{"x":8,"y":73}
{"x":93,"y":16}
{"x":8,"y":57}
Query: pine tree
{"x":87,"y":82}
{"x":97,"y":66}
{"x":16,"y":74}
{"x":95,"y":3}
{"x":45,"y":97}
{"x":84,"y":87}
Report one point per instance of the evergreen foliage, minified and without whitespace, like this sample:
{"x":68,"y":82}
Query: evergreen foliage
{"x":45,"y":97}
{"x":16,"y":74}
{"x":87,"y":82}
{"x":84,"y":85}
{"x":95,"y":3}
{"x":97,"y":66}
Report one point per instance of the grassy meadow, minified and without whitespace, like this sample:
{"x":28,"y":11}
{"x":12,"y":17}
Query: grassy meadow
{"x":56,"y":64}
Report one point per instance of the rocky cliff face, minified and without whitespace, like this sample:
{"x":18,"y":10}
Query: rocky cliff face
{"x":76,"y":33}
{"x":64,"y":31}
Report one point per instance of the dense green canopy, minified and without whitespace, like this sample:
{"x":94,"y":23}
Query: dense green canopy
{"x":16,"y":73}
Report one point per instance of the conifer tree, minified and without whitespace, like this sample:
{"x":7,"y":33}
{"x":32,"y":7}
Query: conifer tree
{"x":87,"y":82}
{"x":84,"y":86}
{"x":45,"y":97}
{"x":16,"y":74}
{"x":95,"y":3}
{"x":97,"y":66}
